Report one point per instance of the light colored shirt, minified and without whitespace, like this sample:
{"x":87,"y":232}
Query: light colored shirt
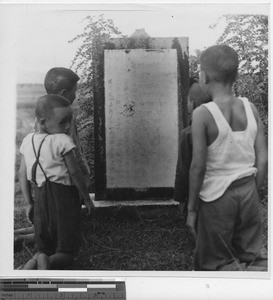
{"x":51,"y":157}
{"x":78,"y":151}
{"x":231,"y":156}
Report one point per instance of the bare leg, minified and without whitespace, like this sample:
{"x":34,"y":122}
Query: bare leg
{"x":24,"y":231}
{"x":60,"y":260}
{"x":32,"y":263}
{"x":43,"y":262}
{"x":27,"y":238}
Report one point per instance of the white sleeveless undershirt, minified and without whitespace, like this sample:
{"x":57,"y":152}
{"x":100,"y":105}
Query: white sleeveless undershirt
{"x":231,"y":156}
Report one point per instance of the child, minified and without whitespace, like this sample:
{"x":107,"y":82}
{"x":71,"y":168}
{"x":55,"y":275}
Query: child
{"x":229,"y":164}
{"x":63,"y":82}
{"x":48,"y":161}
{"x":181,"y":191}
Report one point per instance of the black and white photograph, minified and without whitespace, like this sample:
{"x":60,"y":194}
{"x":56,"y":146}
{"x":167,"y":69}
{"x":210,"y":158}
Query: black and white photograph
{"x":138,"y":138}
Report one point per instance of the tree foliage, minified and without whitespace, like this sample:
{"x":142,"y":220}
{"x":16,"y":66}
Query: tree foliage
{"x":248,"y":35}
{"x":97,"y":30}
{"x":193,"y":67}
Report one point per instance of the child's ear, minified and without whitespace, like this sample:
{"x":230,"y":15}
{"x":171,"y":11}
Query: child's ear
{"x":42,"y":122}
{"x":203,"y":78}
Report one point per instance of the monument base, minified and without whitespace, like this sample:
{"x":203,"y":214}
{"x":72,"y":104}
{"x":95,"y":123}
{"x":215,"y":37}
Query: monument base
{"x":106,"y":203}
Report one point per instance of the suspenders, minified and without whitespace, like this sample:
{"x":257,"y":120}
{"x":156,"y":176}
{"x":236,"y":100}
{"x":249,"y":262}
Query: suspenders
{"x":37,"y":155}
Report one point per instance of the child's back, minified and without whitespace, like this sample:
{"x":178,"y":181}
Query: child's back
{"x":230,"y":145}
{"x":233,"y":110}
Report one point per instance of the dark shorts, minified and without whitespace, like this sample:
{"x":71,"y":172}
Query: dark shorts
{"x":57,"y":212}
{"x":229,"y":228}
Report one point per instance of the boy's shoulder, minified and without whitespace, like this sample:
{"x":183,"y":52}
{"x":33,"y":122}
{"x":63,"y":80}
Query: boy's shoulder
{"x":202,"y":113}
{"x":26,"y":144}
{"x":27,"y":138}
{"x":244,"y":100}
{"x":255,"y":111}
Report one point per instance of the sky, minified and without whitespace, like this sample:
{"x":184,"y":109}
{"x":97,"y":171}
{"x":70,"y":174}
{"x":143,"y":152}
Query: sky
{"x":42,"y":32}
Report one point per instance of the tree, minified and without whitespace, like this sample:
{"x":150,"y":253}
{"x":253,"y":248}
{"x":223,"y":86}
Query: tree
{"x":193,"y":67}
{"x":96,"y":31}
{"x":248,"y":35}
{"x":95,"y":34}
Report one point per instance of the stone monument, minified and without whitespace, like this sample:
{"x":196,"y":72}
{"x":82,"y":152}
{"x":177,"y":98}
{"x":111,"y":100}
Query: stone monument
{"x":140,"y":108}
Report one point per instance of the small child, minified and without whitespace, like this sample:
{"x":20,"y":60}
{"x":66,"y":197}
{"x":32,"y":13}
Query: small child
{"x":63,"y":82}
{"x":48,"y":161}
{"x":229,"y":164}
{"x":181,"y":190}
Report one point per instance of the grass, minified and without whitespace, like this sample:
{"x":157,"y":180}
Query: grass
{"x":122,"y":238}
{"x":132,"y":239}
{"x":129,"y":238}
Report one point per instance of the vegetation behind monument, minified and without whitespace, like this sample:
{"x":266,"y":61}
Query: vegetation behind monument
{"x":247,"y":34}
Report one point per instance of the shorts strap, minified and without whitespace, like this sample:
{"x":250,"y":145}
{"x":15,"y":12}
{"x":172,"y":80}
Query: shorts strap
{"x":37,"y":162}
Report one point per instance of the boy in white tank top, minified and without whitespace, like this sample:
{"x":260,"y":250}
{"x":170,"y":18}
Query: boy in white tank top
{"x":229,"y":164}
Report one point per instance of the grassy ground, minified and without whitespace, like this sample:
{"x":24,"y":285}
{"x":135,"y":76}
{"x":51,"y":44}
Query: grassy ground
{"x":132,"y":238}
{"x":146,"y":238}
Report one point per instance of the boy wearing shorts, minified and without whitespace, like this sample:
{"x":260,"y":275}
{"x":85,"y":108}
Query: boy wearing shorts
{"x":229,"y":164}
{"x":48,"y":161}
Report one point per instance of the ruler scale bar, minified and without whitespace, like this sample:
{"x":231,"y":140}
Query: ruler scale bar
{"x":72,"y":289}
{"x":50,"y":289}
{"x":42,"y":285}
{"x":101,"y":286}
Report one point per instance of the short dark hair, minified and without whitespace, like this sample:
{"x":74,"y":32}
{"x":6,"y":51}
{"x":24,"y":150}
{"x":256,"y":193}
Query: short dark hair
{"x":45,"y":105}
{"x":220,"y":63}
{"x":198,"y":96}
{"x":58,"y":79}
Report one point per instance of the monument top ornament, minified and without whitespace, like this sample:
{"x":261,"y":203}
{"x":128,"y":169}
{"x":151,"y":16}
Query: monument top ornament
{"x":140,"y":33}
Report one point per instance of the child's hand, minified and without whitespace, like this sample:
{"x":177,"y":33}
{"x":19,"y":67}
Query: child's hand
{"x":182,"y":208}
{"x":30,"y":212}
{"x":89,"y":204}
{"x":191,"y":222}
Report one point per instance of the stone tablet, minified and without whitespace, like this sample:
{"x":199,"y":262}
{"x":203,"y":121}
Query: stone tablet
{"x":141,"y":118}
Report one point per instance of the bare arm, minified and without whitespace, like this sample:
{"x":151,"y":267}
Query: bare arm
{"x":198,"y":165}
{"x":78,"y":178}
{"x":181,"y":186}
{"x":260,"y":151}
{"x":26,"y":189}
